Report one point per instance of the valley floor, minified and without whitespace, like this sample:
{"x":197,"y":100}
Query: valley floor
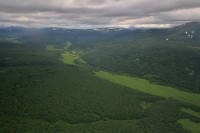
{"x":150,"y":88}
{"x":39,"y":93}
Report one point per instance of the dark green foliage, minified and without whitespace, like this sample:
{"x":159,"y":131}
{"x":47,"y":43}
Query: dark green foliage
{"x":174,"y":65}
{"x":41,"y":94}
{"x":149,"y":55}
{"x":61,"y":98}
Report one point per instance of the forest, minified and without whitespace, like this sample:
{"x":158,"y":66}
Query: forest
{"x":50,"y":85}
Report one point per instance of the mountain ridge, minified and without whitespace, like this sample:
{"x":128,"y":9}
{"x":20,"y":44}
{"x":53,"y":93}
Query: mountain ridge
{"x":189,"y":24}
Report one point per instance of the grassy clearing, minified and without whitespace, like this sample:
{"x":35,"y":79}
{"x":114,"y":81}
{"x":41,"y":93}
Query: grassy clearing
{"x":150,"y":88}
{"x":68,"y":58}
{"x":71,"y":57}
{"x":190,"y":125}
{"x":191,"y":112}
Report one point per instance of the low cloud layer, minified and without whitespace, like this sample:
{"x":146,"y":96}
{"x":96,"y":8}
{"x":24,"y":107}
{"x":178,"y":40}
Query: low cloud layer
{"x":98,"y":13}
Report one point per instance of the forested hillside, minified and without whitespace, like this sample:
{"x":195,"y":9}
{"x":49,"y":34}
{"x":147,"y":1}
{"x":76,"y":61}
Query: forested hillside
{"x":45,"y":88}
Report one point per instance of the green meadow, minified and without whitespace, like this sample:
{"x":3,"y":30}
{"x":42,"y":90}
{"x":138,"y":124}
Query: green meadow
{"x":150,"y":88}
{"x":191,"y":112}
{"x":187,"y":123}
{"x":71,"y":57}
{"x":190,"y":125}
{"x":68,"y":58}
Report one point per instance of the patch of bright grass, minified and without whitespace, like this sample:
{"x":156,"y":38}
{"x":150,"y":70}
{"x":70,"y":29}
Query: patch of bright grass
{"x":150,"y":88}
{"x":190,"y":125}
{"x":68,"y":58}
{"x":71,"y":57}
{"x":191,"y":112}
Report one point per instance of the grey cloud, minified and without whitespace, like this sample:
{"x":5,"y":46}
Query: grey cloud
{"x":97,"y":12}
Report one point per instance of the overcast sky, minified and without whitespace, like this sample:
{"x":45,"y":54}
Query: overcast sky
{"x":98,"y":13}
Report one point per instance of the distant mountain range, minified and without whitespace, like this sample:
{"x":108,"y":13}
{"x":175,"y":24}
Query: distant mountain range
{"x":188,"y":31}
{"x":186,"y":26}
